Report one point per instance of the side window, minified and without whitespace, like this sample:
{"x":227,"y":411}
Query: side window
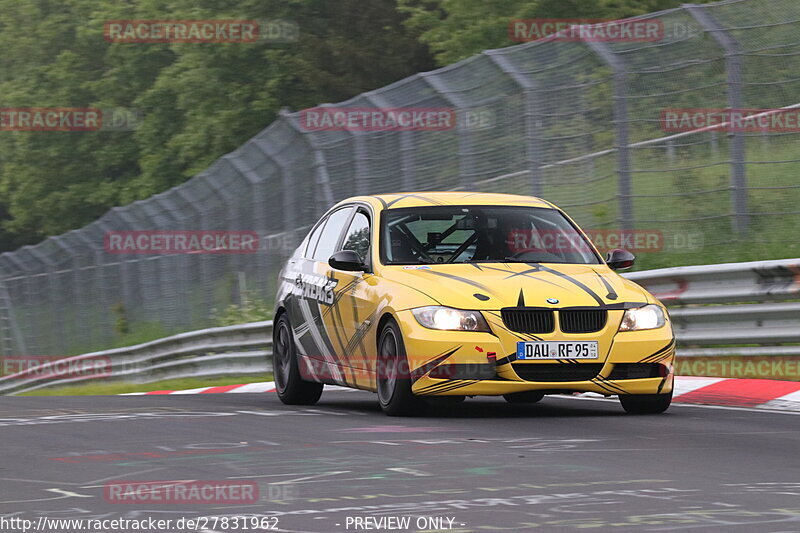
{"x":329,"y":237}
{"x":357,"y":237}
{"x":313,"y":239}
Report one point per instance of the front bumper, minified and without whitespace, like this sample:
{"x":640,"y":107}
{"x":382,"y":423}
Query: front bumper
{"x":446,"y":363}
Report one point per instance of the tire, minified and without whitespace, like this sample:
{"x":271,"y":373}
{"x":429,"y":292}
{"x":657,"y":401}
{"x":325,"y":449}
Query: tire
{"x":393,"y":380}
{"x":291,"y":388}
{"x":645,"y":404}
{"x":531,"y":396}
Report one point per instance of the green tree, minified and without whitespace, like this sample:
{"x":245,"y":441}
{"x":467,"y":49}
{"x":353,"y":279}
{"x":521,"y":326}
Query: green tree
{"x":198,"y":101}
{"x":457,"y":29}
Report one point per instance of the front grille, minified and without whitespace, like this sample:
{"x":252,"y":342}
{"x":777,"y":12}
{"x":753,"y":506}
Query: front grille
{"x":582,"y":320}
{"x":557,"y":372}
{"x":529,"y":320}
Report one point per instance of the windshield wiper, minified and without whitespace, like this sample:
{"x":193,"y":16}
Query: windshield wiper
{"x":518,"y":260}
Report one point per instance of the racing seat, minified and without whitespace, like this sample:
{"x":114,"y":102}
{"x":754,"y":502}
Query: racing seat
{"x":402,"y":251}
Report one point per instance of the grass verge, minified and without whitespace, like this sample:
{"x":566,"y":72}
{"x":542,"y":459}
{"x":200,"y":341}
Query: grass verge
{"x":99,"y":388}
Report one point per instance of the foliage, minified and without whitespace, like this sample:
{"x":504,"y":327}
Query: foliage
{"x":457,"y":29}
{"x":250,"y":310}
{"x":197,"y":101}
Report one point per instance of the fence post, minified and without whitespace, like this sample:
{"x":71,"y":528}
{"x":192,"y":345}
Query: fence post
{"x":533,"y":149}
{"x":620,"y":75}
{"x":735,"y":74}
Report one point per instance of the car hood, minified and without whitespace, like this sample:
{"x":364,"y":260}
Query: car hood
{"x":487,"y":286}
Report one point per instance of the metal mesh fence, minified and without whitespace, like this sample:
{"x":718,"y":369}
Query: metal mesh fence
{"x":578,"y":122}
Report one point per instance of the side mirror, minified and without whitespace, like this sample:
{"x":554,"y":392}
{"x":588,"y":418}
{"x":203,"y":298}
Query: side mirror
{"x":619,"y":259}
{"x":347,"y":260}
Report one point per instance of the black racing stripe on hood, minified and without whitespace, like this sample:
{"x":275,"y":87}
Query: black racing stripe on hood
{"x":462,"y":280}
{"x":575,"y":282}
{"x":621,"y":306}
{"x":527,"y":274}
{"x":612,"y":294}
{"x":418,"y":290}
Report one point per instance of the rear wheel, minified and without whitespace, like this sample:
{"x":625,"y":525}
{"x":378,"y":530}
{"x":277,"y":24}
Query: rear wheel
{"x":291,"y":388}
{"x":531,"y":396}
{"x":394,"y":376}
{"x":644,"y":404}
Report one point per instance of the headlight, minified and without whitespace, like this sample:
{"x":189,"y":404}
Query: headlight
{"x":447,"y":318}
{"x":646,"y":317}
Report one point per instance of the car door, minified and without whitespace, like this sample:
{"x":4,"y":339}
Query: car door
{"x":314,"y":296}
{"x":355,"y":306}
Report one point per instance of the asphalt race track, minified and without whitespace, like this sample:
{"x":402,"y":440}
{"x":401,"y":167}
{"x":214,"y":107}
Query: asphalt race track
{"x":565,"y":464}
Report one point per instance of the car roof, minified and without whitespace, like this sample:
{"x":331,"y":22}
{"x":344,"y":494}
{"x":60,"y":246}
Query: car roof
{"x":433,"y":198}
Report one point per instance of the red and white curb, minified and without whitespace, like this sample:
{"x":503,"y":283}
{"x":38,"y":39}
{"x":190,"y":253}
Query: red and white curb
{"x":753,"y":393}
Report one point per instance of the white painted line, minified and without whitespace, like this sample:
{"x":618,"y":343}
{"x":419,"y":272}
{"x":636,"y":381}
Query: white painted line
{"x":681,"y":405}
{"x":790,"y":402}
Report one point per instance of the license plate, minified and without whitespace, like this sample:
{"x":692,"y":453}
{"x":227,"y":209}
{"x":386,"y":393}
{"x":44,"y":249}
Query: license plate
{"x":557,"y":350}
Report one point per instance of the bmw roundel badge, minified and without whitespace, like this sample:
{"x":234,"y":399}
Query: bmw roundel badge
{"x":552,"y":300}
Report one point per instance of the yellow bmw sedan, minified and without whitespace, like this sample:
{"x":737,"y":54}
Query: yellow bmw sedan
{"x":420,"y":296}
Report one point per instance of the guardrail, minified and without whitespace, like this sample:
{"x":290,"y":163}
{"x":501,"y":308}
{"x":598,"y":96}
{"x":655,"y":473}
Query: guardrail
{"x":240,"y":349}
{"x":710,"y":305}
{"x":731,"y":304}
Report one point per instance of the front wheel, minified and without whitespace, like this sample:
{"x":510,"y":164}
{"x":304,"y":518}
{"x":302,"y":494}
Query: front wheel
{"x":394,"y":376}
{"x":291,"y":388}
{"x":645,"y":404}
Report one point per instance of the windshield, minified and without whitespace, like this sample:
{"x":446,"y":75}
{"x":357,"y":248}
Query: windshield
{"x":462,"y":234}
